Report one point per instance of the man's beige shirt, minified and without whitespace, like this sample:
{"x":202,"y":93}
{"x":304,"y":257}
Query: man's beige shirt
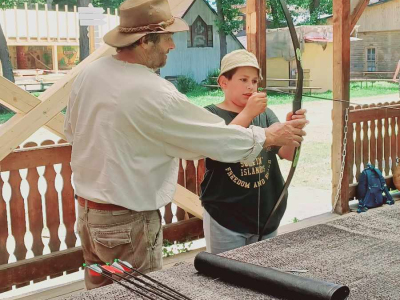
{"x":128,"y":127}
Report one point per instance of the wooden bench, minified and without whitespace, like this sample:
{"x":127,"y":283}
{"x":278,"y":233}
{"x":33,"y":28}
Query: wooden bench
{"x":33,"y":85}
{"x":171,"y":79}
{"x":371,"y":80}
{"x":293,"y":88}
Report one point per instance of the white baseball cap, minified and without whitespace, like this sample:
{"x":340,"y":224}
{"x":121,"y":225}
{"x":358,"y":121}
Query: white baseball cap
{"x":238,"y":58}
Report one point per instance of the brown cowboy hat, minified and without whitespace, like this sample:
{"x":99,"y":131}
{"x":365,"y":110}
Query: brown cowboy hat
{"x":141,"y":17}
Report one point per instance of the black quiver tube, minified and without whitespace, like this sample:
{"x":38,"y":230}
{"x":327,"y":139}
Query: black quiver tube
{"x":268,"y":280}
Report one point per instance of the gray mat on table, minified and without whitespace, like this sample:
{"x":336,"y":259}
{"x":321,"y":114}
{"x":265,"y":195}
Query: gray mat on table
{"x":361,"y":251}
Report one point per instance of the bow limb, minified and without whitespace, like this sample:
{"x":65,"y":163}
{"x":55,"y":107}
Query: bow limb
{"x":296,"y":106}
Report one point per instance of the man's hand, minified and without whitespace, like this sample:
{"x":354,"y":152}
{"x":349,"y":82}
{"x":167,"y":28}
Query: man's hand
{"x":289,"y":133}
{"x":256,"y":105}
{"x":300,"y":114}
{"x":395,"y":80}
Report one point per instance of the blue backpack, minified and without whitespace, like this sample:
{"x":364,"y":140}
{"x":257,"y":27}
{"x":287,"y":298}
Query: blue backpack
{"x":370,"y":189}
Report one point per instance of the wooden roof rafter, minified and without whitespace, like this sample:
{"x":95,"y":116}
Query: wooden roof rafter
{"x":33,"y":113}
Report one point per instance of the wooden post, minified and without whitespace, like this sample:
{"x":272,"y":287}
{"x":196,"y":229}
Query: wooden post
{"x":16,"y":24}
{"x":256,"y":34}
{"x":108,"y":19}
{"x":76,"y":22}
{"x":357,"y":12}
{"x":91,"y":39}
{"x":37,"y":22}
{"x":55,"y":58}
{"x":58,"y":23}
{"x":66,"y":21}
{"x":27,"y":21}
{"x":47,"y":22}
{"x":341,"y":90}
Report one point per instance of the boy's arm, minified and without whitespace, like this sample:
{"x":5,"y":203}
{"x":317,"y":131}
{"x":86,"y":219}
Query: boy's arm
{"x":396,"y":72}
{"x":256,"y":105}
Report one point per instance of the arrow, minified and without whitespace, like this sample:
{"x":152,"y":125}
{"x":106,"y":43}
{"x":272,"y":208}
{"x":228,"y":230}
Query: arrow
{"x":114,"y":271}
{"x":95,"y":269}
{"x":121,"y":268}
{"x":128,"y":267}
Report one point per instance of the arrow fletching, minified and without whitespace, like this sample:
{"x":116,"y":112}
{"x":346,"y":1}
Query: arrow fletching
{"x":118,"y":266}
{"x":112,"y":270}
{"x":94,"y":270}
{"x":127,"y":266}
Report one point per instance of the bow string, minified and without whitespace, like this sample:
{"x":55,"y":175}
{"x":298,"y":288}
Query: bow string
{"x":296,"y":106}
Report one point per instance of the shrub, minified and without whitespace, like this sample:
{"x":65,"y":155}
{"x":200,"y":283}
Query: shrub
{"x":4,"y":110}
{"x":211,"y":78}
{"x":186,"y":84}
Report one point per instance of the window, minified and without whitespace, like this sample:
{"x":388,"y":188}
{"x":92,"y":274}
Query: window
{"x":371,"y":60}
{"x":200,"y":34}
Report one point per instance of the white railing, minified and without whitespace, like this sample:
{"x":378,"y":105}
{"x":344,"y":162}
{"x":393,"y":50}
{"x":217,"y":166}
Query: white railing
{"x":61,"y":25}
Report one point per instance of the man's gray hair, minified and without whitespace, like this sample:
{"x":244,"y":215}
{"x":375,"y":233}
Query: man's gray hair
{"x":151,"y":37}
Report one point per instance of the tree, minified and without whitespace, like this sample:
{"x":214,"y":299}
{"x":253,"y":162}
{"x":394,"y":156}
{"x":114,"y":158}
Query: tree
{"x":227,"y":21}
{"x":4,"y":54}
{"x":303,"y":12}
{"x":5,"y":58}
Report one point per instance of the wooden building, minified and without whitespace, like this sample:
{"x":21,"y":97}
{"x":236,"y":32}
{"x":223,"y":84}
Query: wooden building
{"x":379,"y":47}
{"x":45,"y":39}
{"x":197,"y":51}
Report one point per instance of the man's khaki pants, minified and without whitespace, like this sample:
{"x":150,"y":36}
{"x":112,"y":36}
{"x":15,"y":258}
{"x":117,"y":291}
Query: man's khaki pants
{"x":135,"y":237}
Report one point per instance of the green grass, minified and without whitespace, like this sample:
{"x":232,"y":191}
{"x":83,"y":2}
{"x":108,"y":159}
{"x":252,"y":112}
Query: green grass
{"x":203,"y":96}
{"x":4,"y":117}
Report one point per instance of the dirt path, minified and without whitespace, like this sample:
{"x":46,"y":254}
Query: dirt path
{"x":310,"y":191}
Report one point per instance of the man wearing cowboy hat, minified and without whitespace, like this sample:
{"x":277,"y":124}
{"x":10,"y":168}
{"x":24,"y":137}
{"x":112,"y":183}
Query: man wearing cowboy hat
{"x":128,"y":127}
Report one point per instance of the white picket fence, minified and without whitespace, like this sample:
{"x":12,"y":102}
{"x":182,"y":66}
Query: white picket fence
{"x":43,"y":26}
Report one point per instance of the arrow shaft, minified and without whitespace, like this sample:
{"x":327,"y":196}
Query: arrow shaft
{"x":153,"y":286}
{"x":136,"y":284}
{"x":125,"y":286}
{"x":153,"y":280}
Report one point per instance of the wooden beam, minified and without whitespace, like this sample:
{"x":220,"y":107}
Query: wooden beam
{"x":256,"y":34}
{"x":53,"y":100}
{"x":22,"y":102}
{"x":91,"y":39}
{"x":341,"y":90}
{"x":41,"y":266}
{"x":188,"y":201}
{"x":357,"y":12}
{"x":184,"y":231}
{"x":54,"y":56}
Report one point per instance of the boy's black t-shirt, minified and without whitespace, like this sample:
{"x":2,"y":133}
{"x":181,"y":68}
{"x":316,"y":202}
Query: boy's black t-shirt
{"x":230,"y":191}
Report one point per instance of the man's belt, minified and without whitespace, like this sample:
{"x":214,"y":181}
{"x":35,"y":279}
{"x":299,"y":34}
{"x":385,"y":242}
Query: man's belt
{"x":99,"y":206}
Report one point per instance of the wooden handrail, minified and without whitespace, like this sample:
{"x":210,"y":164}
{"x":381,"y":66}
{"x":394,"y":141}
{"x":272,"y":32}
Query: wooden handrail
{"x":373,"y":137}
{"x":60,"y":210}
